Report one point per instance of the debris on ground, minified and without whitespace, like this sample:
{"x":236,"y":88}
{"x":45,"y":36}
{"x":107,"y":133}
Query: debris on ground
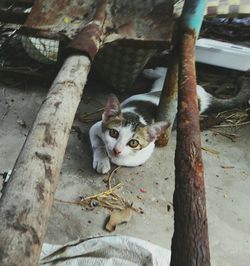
{"x":21,"y":123}
{"x":118,"y":217}
{"x":109,"y":199}
{"x":206,"y":122}
{"x":121,"y":209}
{"x":210,"y":150}
{"x":139,"y":197}
{"x":7,"y":105}
{"x":230,"y":136}
{"x":108,"y":179}
{"x":227,"y":167}
{"x":5,"y":179}
{"x":229,"y":118}
{"x":234,"y":118}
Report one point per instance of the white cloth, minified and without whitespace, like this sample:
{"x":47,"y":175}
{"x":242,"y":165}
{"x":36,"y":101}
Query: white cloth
{"x":106,"y":251}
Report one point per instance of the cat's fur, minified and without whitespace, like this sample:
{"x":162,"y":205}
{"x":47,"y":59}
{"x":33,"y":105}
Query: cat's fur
{"x":132,"y":122}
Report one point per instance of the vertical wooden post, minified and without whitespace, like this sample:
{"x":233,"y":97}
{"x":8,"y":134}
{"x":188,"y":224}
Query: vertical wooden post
{"x":190,"y":246}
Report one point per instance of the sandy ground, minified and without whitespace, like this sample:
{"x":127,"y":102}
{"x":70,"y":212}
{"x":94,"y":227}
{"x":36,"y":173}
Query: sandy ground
{"x":227,"y":176}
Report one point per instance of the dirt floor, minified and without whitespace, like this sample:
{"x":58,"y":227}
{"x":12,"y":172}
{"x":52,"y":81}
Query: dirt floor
{"x":150,"y":187}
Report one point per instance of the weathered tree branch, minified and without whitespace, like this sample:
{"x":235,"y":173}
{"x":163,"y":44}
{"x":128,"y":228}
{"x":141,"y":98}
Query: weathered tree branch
{"x":27,"y":199}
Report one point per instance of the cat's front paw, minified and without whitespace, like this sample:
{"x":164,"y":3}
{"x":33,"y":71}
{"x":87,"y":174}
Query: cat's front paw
{"x":102,"y":165}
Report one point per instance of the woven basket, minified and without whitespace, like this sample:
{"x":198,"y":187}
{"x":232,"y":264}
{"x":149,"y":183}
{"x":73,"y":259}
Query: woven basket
{"x":119,"y":66}
{"x":44,"y":51}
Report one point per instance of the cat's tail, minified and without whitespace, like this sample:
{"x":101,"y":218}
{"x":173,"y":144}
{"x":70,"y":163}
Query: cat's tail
{"x":242,"y":99}
{"x":207,"y":102}
{"x":158,"y":74}
{"x":155,"y":73}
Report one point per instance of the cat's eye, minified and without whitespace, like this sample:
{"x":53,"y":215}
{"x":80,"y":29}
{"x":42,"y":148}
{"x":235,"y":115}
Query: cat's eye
{"x":113,"y":133}
{"x":133,"y":143}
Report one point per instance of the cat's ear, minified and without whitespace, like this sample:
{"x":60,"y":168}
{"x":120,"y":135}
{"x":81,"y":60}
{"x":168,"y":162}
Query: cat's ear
{"x":156,"y":129}
{"x":112,"y":109}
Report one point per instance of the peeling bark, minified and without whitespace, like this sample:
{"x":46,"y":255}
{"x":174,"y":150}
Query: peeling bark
{"x":28,"y":196}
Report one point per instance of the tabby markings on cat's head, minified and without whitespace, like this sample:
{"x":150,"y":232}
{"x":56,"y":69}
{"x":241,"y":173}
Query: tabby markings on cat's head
{"x":123,"y":133}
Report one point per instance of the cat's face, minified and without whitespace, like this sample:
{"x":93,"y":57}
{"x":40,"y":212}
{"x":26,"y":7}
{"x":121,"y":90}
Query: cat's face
{"x":123,"y":139}
{"x":123,"y":134}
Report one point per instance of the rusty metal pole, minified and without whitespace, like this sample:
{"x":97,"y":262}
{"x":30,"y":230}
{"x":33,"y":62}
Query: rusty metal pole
{"x":190,"y":245}
{"x":167,"y":108}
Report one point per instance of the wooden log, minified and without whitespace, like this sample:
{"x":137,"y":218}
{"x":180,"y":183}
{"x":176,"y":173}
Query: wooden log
{"x":27,"y":199}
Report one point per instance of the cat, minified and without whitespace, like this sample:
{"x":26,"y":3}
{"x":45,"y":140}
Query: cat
{"x":127,"y":133}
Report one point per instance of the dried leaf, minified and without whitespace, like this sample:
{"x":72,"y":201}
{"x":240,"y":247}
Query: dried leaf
{"x":118,"y":217}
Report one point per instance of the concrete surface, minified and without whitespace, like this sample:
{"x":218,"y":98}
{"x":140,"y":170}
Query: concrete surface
{"x":227,"y":188}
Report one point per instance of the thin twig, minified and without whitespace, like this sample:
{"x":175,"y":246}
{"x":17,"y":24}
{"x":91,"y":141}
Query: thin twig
{"x":111,"y":175}
{"x":8,"y":106}
{"x":234,"y":118}
{"x":68,"y":202}
{"x":5,"y":113}
{"x":210,"y":150}
{"x":237,"y":125}
{"x":227,"y":135}
{"x":227,"y":166}
{"x":106,"y":193}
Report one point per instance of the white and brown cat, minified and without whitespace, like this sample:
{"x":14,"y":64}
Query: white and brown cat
{"x":127,"y":132}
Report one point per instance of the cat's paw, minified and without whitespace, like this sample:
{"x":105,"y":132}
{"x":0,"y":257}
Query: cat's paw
{"x":102,"y":165}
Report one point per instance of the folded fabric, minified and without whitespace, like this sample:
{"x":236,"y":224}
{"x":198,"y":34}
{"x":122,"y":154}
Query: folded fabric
{"x":116,"y":250}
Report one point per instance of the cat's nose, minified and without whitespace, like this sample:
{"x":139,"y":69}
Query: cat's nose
{"x":116,"y":151}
